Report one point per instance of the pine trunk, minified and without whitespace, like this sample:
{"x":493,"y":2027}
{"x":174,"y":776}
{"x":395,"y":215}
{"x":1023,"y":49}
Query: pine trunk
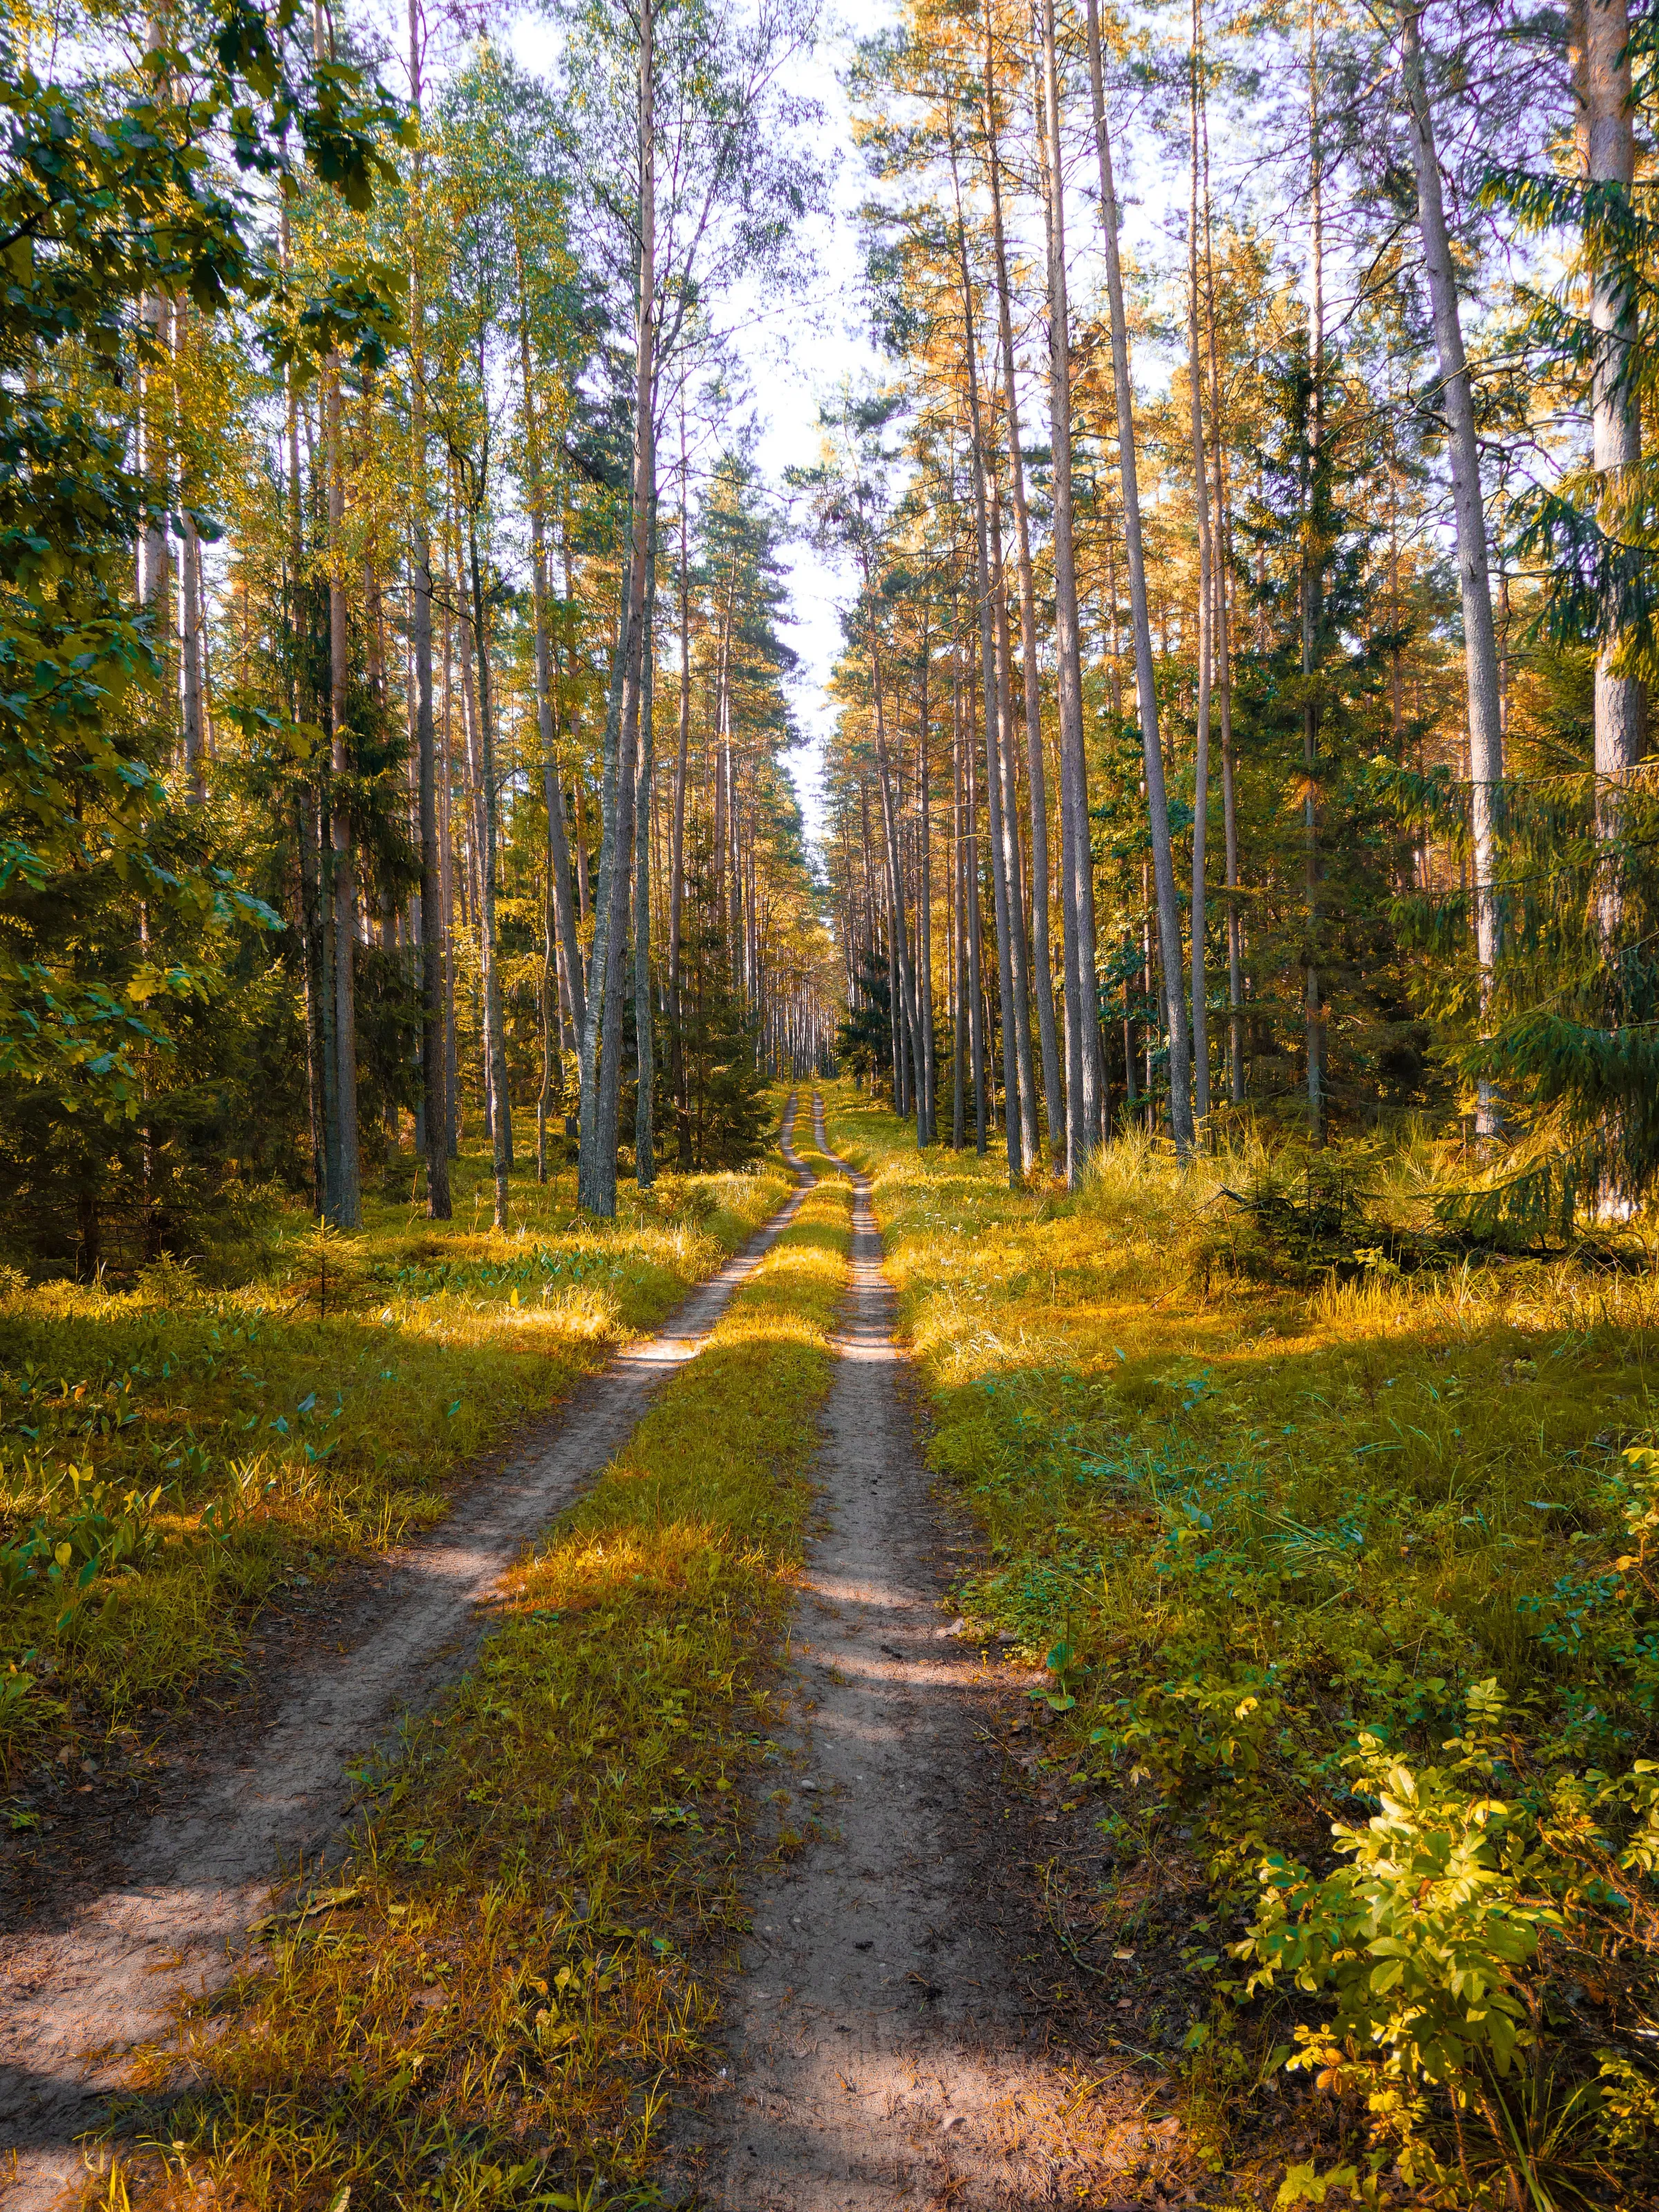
{"x":601,"y":1052}
{"x":347,"y":1209}
{"x":1168,"y":922}
{"x":1084,"y":1117}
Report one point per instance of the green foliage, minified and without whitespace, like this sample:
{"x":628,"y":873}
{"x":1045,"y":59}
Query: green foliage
{"x":721,"y":1112}
{"x":1419,"y":1938}
{"x":864,"y":1041}
{"x":108,"y":195}
{"x":1566,"y":1028}
{"x":94,"y":1531}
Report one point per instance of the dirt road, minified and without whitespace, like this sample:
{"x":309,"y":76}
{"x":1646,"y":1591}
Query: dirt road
{"x":881,"y":2049}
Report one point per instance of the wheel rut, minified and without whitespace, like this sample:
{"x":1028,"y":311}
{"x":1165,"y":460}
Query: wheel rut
{"x":881,"y":2042}
{"x":76,"y":1998}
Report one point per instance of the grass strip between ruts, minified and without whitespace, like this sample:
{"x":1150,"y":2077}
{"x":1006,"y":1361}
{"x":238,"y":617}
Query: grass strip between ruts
{"x":488,"y":2005}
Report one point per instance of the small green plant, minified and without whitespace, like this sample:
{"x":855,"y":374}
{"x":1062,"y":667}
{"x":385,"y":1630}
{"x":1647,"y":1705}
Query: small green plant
{"x":25,"y":1710}
{"x":1423,"y":1942}
{"x":99,"y":1533}
{"x":329,"y":1271}
{"x":1420,"y":1937}
{"x":1060,"y":1660}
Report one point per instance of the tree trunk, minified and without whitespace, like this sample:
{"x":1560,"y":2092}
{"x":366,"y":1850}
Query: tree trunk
{"x":190,"y":625}
{"x":1083,"y":1129}
{"x":927,"y":1118}
{"x":1607,"y":150}
{"x":602,"y":1033}
{"x":591,"y":1172}
{"x":1312,"y":589}
{"x":500,"y":1119}
{"x":958,"y":924}
{"x":1479,"y":634}
{"x":904,"y":981}
{"x":1205,"y":613}
{"x":1221,"y":568}
{"x":558,"y":845}
{"x":645,"y":1165}
{"x":447,"y":889}
{"x":1041,"y":951}
{"x":347,"y":1210}
{"x":1168,"y":922}
{"x":975,"y":994}
{"x":995,"y":693}
{"x":676,"y":828}
{"x":434,"y":918}
{"x":1007,"y":832}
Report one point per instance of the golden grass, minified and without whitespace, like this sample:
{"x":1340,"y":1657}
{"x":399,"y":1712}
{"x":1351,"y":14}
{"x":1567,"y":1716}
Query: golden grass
{"x":289,"y":1402}
{"x":515,"y":1968}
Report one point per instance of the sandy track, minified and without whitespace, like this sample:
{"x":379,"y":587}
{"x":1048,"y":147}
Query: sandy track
{"x":74,"y":2000}
{"x":879,"y":2054}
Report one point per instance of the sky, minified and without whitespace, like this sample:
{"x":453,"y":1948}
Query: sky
{"x":795,"y":364}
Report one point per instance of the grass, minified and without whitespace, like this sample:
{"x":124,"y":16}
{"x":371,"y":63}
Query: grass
{"x":173,"y":1453}
{"x":1347,"y":1594}
{"x":486,"y":2006}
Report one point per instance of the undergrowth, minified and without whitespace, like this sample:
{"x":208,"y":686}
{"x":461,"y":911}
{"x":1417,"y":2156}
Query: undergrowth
{"x":1348,"y":1590}
{"x":173,"y":1453}
{"x":486,"y":2005}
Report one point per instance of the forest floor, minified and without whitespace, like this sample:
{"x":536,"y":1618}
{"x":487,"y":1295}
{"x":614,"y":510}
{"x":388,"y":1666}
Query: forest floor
{"x":851,"y":1798}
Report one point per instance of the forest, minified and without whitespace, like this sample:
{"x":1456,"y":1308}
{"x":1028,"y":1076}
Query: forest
{"x":908,"y":1189}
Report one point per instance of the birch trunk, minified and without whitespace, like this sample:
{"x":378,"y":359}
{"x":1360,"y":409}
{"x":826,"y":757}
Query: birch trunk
{"x":1168,"y":922}
{"x":1474,"y":584}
